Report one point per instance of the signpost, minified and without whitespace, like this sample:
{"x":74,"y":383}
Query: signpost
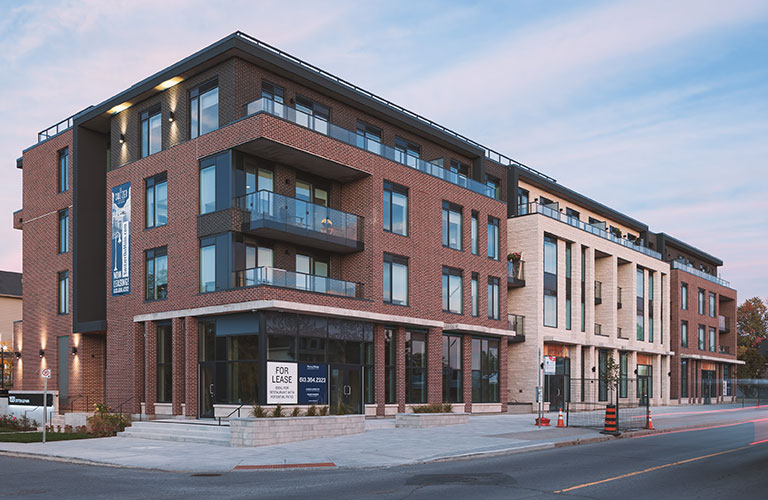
{"x":45,"y":374}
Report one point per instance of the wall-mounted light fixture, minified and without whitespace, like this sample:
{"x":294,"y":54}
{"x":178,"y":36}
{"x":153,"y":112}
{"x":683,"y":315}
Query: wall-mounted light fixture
{"x":42,"y":353}
{"x":171,"y":117}
{"x":18,"y":354}
{"x":593,"y":368}
{"x":122,"y":138}
{"x":74,"y":351}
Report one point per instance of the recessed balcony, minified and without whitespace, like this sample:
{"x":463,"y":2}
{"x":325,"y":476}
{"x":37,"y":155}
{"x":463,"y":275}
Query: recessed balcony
{"x":618,"y":297}
{"x":724,"y":324}
{"x":598,"y":292}
{"x":259,"y":276}
{"x":300,"y":222}
{"x":516,"y":323}
{"x":724,"y":349}
{"x":516,"y":274}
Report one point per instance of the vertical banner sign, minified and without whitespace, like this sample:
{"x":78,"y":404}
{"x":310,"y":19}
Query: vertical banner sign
{"x":313,"y":384}
{"x":281,"y":383}
{"x":121,"y":239}
{"x":550,"y":365}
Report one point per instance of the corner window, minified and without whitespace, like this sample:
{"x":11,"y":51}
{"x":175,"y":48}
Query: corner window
{"x":63,"y":160}
{"x":493,"y":298}
{"x":151,"y":131}
{"x":452,"y":226}
{"x":493,"y":238}
{"x":452,"y":290}
{"x":208,"y":265}
{"x":164,"y":363}
{"x":395,"y":208}
{"x":204,"y":109}
{"x":395,"y":279}
{"x":406,"y":152}
{"x":63,"y":292}
{"x":157,"y":200}
{"x":485,"y":371}
{"x":494,"y":184}
{"x":64,"y":230}
{"x":156,"y":271}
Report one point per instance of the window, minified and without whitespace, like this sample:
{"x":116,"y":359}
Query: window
{"x":208,"y":189}
{"x":583,"y":288}
{"x":459,"y":168}
{"x":683,"y":334}
{"x":712,"y":339}
{"x":312,"y":115}
{"x":494,"y":184}
{"x":204,"y":109}
{"x":640,"y":305}
{"x":157,"y":200}
{"x":395,"y":208}
{"x":273,"y":96}
{"x":702,"y":338}
{"x":156,"y":271}
{"x":568,"y":284}
{"x":683,"y":378}
{"x":623,"y":369}
{"x":684,"y":296}
{"x":406,"y":152}
{"x":712,"y":305}
{"x":493,"y":238}
{"x":573,"y":215}
{"x":64,"y":230}
{"x":164,"y":363}
{"x":475,"y":295}
{"x":452,"y":290}
{"x":650,"y":306}
{"x":493,"y":298}
{"x":485,"y":370}
{"x":63,"y":170}
{"x":395,"y":279}
{"x":550,"y":281}
{"x":700,"y":301}
{"x":369,"y":137}
{"x":208,"y":265}
{"x":452,"y":226}
{"x":473,"y":232}
{"x":522,"y":201}
{"x":453,"y":391}
{"x":415,"y":367}
{"x":390,"y":348}
{"x":151,"y":131}
{"x":63,"y":292}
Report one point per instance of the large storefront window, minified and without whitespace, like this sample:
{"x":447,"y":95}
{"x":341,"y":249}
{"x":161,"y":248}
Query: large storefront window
{"x":389,"y":365}
{"x":164,"y":363}
{"x":452,"y":373}
{"x":557,"y":386}
{"x":623,"y":369}
{"x":485,"y":370}
{"x":415,"y":367}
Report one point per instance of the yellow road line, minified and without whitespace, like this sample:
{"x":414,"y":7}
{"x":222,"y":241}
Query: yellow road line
{"x":651,"y":469}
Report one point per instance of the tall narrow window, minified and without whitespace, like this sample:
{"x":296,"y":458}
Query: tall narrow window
{"x":452,"y":226}
{"x":208,"y":189}
{"x":157,"y":200}
{"x":568,"y":283}
{"x":550,"y":281}
{"x":389,"y":365}
{"x":208,"y":265}
{"x":712,"y":340}
{"x":273,"y":98}
{"x":650,"y":306}
{"x":64,"y":230}
{"x":583,"y":288}
{"x":406,"y":152}
{"x":684,"y":296}
{"x":473,"y":232}
{"x":63,"y":292}
{"x":493,"y":238}
{"x":683,"y":378}
{"x":368,"y":137}
{"x":164,"y":363}
{"x":485,"y":370}
{"x":494,"y":186}
{"x":151,"y":131}
{"x":395,"y":208}
{"x":522,"y":201}
{"x":475,"y":295}
{"x":683,"y":334}
{"x":452,"y":373}
{"x":640,"y":305}
{"x":493,"y":298}
{"x":415,"y":367}
{"x":700,"y":301}
{"x":712,"y":305}
{"x":203,"y":109}
{"x":395,"y":279}
{"x":156,"y":271}
{"x":623,"y":370}
{"x":702,"y":338}
{"x":452,"y":290}
{"x":63,"y":159}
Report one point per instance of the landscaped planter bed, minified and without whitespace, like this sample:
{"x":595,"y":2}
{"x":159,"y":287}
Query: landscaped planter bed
{"x":418,"y":420}
{"x":246,"y":432}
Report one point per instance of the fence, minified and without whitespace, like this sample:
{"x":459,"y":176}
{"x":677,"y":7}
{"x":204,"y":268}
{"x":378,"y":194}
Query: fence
{"x":586,"y":400}
{"x":751,"y":392}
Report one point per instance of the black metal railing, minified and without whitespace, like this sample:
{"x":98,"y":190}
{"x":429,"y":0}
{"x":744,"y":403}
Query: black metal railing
{"x":298,"y":281}
{"x":724,"y":349}
{"x":236,"y":410}
{"x":598,"y":292}
{"x":516,"y":271}
{"x":516,"y":323}
{"x":56,"y":129}
{"x":701,"y":274}
{"x":724,"y":324}
{"x":618,"y":297}
{"x":598,"y":329}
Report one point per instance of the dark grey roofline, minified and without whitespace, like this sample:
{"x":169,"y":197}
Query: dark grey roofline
{"x":667,"y":239}
{"x":585,"y":201}
{"x":20,"y":162}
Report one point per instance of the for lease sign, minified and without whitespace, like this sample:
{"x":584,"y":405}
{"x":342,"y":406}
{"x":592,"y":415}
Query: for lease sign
{"x":282,"y":383}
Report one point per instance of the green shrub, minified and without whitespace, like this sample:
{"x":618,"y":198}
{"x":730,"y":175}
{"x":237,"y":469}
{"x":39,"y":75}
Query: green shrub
{"x":277,"y":412}
{"x":105,"y":424}
{"x":433,"y":408}
{"x":296,"y":412}
{"x":312,"y":411}
{"x":258,"y":411}
{"x":323,"y":411}
{"x":19,"y":424}
{"x":447,"y":408}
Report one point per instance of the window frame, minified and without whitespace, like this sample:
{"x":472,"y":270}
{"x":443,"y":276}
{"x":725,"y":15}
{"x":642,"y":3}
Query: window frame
{"x":146,"y":136}
{"x":683,"y":296}
{"x":449,"y":208}
{"x":683,"y":333}
{"x":495,"y":224}
{"x":63,"y":241}
{"x":701,"y":298}
{"x":164,"y":362}
{"x":389,"y":260}
{"x":62,"y":293}
{"x":450,"y":371}
{"x":459,"y":167}
{"x":447,"y":274}
{"x":206,"y":243}
{"x":393,"y":188}
{"x":152,"y":256}
{"x":475,"y":295}
{"x":494,"y":183}
{"x":712,"y":305}
{"x":403,"y":149}
{"x":62,"y":168}
{"x":151,"y":184}
{"x":196,"y":94}
{"x":494,"y":298}
{"x":486,"y":372}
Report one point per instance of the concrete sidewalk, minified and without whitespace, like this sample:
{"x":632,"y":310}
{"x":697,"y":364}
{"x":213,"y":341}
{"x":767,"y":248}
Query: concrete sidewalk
{"x":382,"y":445}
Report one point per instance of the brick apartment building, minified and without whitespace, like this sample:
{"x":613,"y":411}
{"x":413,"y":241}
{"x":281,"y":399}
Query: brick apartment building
{"x":242,"y":214}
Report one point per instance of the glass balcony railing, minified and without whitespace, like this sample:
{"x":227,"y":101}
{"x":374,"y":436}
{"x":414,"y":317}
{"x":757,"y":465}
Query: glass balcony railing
{"x":724,"y":349}
{"x":701,"y":274}
{"x":724,"y":324}
{"x":280,"y":110}
{"x":516,"y":323}
{"x":298,"y":281}
{"x":553,"y":213}
{"x":298,"y":216}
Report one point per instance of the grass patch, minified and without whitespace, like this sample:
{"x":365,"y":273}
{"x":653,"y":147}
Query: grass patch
{"x":37,"y":437}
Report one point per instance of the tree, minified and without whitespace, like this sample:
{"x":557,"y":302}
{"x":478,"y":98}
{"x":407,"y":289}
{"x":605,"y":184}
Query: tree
{"x":752,"y":322}
{"x":754,"y":363}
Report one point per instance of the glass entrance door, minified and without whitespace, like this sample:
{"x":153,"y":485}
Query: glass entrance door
{"x":207,"y":389}
{"x":708,"y":386}
{"x":346,"y":389}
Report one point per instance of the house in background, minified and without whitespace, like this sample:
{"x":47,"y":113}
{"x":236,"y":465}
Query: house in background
{"x":10,"y":304}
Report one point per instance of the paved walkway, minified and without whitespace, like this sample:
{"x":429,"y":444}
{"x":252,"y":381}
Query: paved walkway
{"x":381,"y":445}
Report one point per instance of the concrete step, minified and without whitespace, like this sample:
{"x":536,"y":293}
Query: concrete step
{"x":172,"y":431}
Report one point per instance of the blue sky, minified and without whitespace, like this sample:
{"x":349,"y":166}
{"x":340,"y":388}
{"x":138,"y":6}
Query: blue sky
{"x":656,"y":108}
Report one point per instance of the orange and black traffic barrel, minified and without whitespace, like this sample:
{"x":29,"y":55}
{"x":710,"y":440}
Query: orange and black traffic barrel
{"x":610,"y":419}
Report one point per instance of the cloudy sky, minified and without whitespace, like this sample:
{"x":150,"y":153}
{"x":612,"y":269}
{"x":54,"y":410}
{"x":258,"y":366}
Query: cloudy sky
{"x":656,"y":108}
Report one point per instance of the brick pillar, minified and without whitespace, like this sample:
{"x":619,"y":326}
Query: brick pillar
{"x":503,"y":369}
{"x":150,"y":367}
{"x":177,"y":359}
{"x":466,"y":371}
{"x":435,"y":365}
{"x":190,"y":366}
{"x":138,"y":375}
{"x":379,"y":372}
{"x":400,"y":369}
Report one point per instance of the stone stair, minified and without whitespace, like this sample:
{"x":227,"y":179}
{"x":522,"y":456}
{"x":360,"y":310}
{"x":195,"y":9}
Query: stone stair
{"x":57,"y":419}
{"x":179,"y":431}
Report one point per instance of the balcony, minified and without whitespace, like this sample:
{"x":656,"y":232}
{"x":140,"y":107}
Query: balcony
{"x":351,"y":138}
{"x":724,"y":349}
{"x":283,"y":218}
{"x":258,"y":276}
{"x":701,"y":274}
{"x":618,"y":297}
{"x":724,"y":324}
{"x":516,"y":323}
{"x":553,"y":213}
{"x":620,"y":335}
{"x":598,"y":292}
{"x":516,"y":274}
{"x":599,"y":330}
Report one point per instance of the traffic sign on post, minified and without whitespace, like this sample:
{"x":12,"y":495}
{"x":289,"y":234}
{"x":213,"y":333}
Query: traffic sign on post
{"x":45,"y":374}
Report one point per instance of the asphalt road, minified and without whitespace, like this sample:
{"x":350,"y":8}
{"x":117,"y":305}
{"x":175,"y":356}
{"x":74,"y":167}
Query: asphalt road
{"x":711,"y":463}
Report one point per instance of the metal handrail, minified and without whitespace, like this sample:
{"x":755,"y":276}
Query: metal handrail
{"x":120,"y":406}
{"x":235,"y":410}
{"x":273,"y":276}
{"x":692,"y":270}
{"x":56,"y":129}
{"x":489,"y":153}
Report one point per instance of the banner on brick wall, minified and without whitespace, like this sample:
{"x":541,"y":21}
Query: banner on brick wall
{"x":121,"y":239}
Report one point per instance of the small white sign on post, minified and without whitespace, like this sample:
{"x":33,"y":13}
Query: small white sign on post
{"x":550,"y":365}
{"x":45,"y":374}
{"x":282,"y":383}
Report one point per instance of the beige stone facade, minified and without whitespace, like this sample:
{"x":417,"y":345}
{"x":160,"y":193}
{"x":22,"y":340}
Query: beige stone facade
{"x":10,"y":312}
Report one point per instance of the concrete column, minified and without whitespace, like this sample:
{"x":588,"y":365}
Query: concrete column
{"x":379,"y":371}
{"x":400,"y":368}
{"x":435,"y":365}
{"x":138,"y":375}
{"x":190,"y":366}
{"x":466,"y":370}
{"x":150,"y":367}
{"x":178,"y":375}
